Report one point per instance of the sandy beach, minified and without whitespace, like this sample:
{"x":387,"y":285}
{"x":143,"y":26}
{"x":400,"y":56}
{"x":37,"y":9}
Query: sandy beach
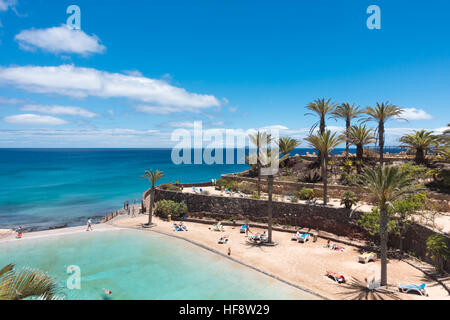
{"x":304,"y":265}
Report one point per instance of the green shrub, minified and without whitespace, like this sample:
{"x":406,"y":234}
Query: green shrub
{"x":349,"y":199}
{"x":371,"y":222}
{"x":348,"y":167}
{"x":171,"y":187}
{"x":166,"y":207}
{"x":228,"y":184}
{"x":306,"y":194}
{"x":416,"y":171}
{"x":246,"y":187}
{"x":348,"y":179}
{"x":438,"y":250}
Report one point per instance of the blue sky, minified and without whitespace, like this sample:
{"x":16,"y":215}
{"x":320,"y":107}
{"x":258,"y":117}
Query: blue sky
{"x":137,"y":70}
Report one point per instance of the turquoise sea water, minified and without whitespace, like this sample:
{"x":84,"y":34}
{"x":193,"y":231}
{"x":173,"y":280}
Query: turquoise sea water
{"x":143,"y":265}
{"x":43,"y":188}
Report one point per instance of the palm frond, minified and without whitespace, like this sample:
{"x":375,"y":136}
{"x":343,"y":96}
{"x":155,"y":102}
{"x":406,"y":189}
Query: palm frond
{"x":28,"y":283}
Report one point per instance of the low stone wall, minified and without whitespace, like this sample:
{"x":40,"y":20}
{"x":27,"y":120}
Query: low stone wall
{"x":336,"y":221}
{"x":333,"y":220}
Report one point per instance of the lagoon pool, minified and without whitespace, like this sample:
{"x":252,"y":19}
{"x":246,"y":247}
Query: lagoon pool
{"x":143,"y":265}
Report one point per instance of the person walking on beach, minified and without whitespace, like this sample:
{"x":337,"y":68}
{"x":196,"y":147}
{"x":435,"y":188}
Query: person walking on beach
{"x":89,"y":225}
{"x":132,"y":213}
{"x":19,"y":232}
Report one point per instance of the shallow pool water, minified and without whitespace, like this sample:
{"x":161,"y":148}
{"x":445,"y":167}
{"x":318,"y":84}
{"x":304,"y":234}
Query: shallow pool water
{"x":143,"y":265}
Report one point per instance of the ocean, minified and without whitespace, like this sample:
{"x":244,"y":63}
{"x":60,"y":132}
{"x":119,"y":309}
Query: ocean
{"x":45,"y":188}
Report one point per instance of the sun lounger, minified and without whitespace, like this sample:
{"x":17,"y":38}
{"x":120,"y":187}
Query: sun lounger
{"x":296,"y":236}
{"x":195,"y":190}
{"x":414,"y":288}
{"x":218,"y":227}
{"x":339,"y":278}
{"x":243,"y":229}
{"x":177,"y":227}
{"x":223,"y":240}
{"x":229,"y":192}
{"x":289,"y":197}
{"x":260,"y":237}
{"x":304,"y":237}
{"x":367,"y":257}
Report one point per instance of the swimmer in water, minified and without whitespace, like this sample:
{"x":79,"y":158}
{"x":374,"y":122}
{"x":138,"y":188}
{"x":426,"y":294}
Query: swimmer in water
{"x":107,"y":292}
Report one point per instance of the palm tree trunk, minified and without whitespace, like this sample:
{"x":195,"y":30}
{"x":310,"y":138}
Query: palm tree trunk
{"x":322,"y":124}
{"x":420,"y":156}
{"x":383,"y":243}
{"x":381,"y":142}
{"x":150,"y":212}
{"x":259,"y":169}
{"x":324,"y":179}
{"x":347,"y":143}
{"x":269,"y":206}
{"x":259,"y":180}
{"x":359,"y":156}
{"x":322,"y":130}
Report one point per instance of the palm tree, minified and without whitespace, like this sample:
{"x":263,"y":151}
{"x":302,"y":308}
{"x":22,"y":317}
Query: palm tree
{"x":347,"y":112}
{"x":259,"y":139}
{"x":419,"y":142}
{"x":26,"y":283}
{"x":152,"y":176}
{"x":360,"y":136}
{"x":322,"y":108}
{"x":324,"y":143}
{"x":381,"y":114}
{"x":287,"y":144}
{"x":387,"y":184}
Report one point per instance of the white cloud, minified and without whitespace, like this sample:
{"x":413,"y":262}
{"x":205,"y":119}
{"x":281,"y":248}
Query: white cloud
{"x":182,"y":124}
{"x":414,"y":114}
{"x":34,"y":119}
{"x":158,"y":110}
{"x":83,"y":82}
{"x":60,"y":40}
{"x":10,"y":100}
{"x":6,"y":4}
{"x":60,"y":110}
{"x":275,"y":127}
